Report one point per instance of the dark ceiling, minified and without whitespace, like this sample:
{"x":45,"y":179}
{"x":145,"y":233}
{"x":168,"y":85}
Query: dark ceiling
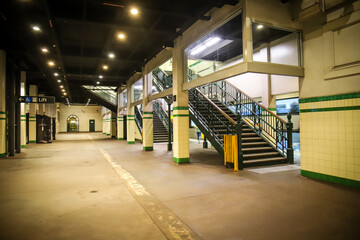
{"x":79,"y":35}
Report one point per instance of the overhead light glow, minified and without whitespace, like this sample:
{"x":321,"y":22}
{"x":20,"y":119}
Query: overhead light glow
{"x":111,"y":55}
{"x":100,"y":76}
{"x":134,"y":11}
{"x":44,"y":50}
{"x":121,"y":36}
{"x":61,"y":86}
{"x":51,"y":63}
{"x":97,"y":82}
{"x":259,"y":26}
{"x":36,"y":28}
{"x":63,"y":90}
{"x":105,"y":67}
{"x":58,"y":80}
{"x":56,"y":74}
{"x":208,"y":43}
{"x":65,"y":93}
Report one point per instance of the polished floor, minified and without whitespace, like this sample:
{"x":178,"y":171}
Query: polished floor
{"x":87,"y":186}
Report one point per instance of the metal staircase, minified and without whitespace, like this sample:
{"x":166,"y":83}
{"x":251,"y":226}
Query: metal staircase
{"x":105,"y":96}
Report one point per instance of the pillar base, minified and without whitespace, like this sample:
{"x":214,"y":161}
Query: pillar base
{"x":181,"y":160}
{"x":23,"y":146}
{"x":131,"y":142}
{"x":148,"y":148}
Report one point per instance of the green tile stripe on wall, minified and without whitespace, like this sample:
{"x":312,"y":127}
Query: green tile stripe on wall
{"x":131,"y":142}
{"x":120,"y":138}
{"x":147,"y":117}
{"x":329,"y":178}
{"x":2,"y":155}
{"x":181,"y":115}
{"x":195,"y":63}
{"x":2,"y":118}
{"x":181,"y":160}
{"x":32,"y":141}
{"x":148,"y":148}
{"x":32,"y":117}
{"x":2,"y":112}
{"x":330,"y":109}
{"x":272,"y":109}
{"x":23,"y":115}
{"x":148,"y":112}
{"x":131,"y":115}
{"x":180,"y":108}
{"x":330,"y":98}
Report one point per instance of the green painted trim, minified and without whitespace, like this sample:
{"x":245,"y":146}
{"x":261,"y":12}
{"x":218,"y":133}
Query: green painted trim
{"x":32,"y":117}
{"x":148,"y":148}
{"x":23,"y":115}
{"x":181,"y":160}
{"x":23,"y":120}
{"x":32,"y":141}
{"x":2,"y":155}
{"x":120,"y":120}
{"x":23,"y":146}
{"x":131,"y":142}
{"x":1,"y":112}
{"x":148,"y":112}
{"x":272,"y":109}
{"x":104,"y":133}
{"x":330,"y":109}
{"x":148,"y":118}
{"x":120,"y":117}
{"x":131,"y":115}
{"x":330,"y":98}
{"x":329,"y":178}
{"x":180,"y":108}
{"x":2,"y":118}
{"x":181,"y":115}
{"x":120,"y":138}
{"x":195,"y":63}
{"x":108,"y":134}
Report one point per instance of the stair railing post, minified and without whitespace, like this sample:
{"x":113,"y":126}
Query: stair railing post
{"x":238,"y":129}
{"x":290,"y":150}
{"x":169,"y":115}
{"x":205,"y":144}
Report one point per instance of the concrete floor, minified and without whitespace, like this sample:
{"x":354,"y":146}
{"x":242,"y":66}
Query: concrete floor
{"x":87,"y":186}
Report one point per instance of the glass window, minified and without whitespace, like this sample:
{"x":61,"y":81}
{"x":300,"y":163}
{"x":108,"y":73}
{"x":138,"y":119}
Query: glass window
{"x":219,"y":49}
{"x":138,"y":90}
{"x":162,"y":77}
{"x":285,"y":106}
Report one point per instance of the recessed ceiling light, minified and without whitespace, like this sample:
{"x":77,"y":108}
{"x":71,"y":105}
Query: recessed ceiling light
{"x":105,"y":67}
{"x":63,"y":90}
{"x":65,"y":93}
{"x":44,"y":50}
{"x":100,"y":76}
{"x":111,"y":55}
{"x":59,"y":80}
{"x":260,"y":26}
{"x":56,"y":74}
{"x":61,"y":86}
{"x":134,"y":11}
{"x":97,"y":82}
{"x":36,"y":28}
{"x":51,"y":63}
{"x":121,"y":36}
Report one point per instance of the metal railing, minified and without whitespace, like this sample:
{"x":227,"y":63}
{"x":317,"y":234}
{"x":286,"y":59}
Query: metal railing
{"x":265,"y":123}
{"x":163,"y":116}
{"x":138,"y":118}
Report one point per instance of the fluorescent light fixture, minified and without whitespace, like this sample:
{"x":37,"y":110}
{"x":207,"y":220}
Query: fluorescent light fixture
{"x":259,"y":26}
{"x":59,"y":80}
{"x":134,"y":11}
{"x":100,"y":76}
{"x":51,"y":63}
{"x":105,"y":67}
{"x":44,"y":50}
{"x":65,"y":93}
{"x":121,"y":35}
{"x":56,"y":74}
{"x":208,"y":43}
{"x":111,"y":55}
{"x":36,"y":28}
{"x":61,"y":86}
{"x":63,"y":90}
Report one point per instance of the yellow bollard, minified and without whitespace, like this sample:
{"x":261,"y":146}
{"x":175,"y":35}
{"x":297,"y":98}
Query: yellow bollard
{"x":231,"y":151}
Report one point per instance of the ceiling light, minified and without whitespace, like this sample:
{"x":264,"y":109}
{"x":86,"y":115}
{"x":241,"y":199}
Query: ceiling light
{"x":121,"y":35}
{"x":58,"y":80}
{"x":111,"y":55}
{"x":134,"y":11}
{"x":259,"y":26}
{"x":100,"y":76}
{"x":97,"y":82}
{"x":63,"y":90}
{"x":56,"y":74}
{"x":61,"y":86}
{"x":44,"y":50}
{"x":65,"y":93}
{"x":208,"y":43}
{"x":51,"y":63}
{"x":36,"y":28}
{"x":105,"y":67}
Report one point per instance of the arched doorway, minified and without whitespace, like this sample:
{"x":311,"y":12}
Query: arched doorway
{"x":72,"y":123}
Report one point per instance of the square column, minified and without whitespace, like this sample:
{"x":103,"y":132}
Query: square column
{"x":22,"y":109}
{"x":120,"y":127}
{"x":113,"y":125}
{"x":33,"y":91}
{"x":130,"y":126}
{"x":2,"y":104}
{"x":104,"y":124}
{"x":148,"y":124}
{"x":108,"y":124}
{"x":181,"y":107}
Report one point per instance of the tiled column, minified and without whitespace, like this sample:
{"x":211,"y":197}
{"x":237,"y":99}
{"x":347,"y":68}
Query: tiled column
{"x":2,"y":104}
{"x":32,"y":115}
{"x":147,"y":113}
{"x":113,"y":125}
{"x":22,"y":109}
{"x":108,"y":124}
{"x":181,"y":107}
{"x":120,"y":127}
{"x":104,"y":124}
{"x":130,"y":115}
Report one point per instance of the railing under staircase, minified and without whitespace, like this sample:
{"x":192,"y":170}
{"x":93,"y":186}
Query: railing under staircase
{"x":138,"y":118}
{"x":273,"y":129}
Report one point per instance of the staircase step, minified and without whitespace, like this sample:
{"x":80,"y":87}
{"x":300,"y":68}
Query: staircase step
{"x":264,"y":161}
{"x":260,"y":155}
{"x":254,"y":144}
{"x":257,"y":149}
{"x":248,"y":134}
{"x":251,"y":139}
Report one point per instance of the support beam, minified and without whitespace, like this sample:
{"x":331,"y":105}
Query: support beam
{"x":148,"y":122}
{"x":162,"y":94}
{"x":2,"y":104}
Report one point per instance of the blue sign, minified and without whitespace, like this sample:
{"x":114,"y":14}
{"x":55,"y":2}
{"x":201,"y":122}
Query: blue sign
{"x":28,"y":99}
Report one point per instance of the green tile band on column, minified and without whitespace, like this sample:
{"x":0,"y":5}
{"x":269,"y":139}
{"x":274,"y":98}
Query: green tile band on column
{"x":180,"y":108}
{"x":104,"y":133}
{"x":23,"y":146}
{"x":181,"y":115}
{"x":23,"y":115}
{"x":2,"y":155}
{"x":331,"y":109}
{"x":330,"y":98}
{"x":272,"y":109}
{"x":329,"y":178}
{"x":181,"y":160}
{"x":120,"y":138}
{"x":2,"y":112}
{"x":32,"y":141}
{"x":148,"y":112}
{"x":131,"y":115}
{"x":108,"y":134}
{"x":131,"y":142}
{"x":148,"y":118}
{"x":32,"y":117}
{"x":148,"y":148}
{"x":2,"y":118}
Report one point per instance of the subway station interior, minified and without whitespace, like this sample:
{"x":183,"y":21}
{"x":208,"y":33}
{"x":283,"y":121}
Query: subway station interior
{"x":203,"y":119}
